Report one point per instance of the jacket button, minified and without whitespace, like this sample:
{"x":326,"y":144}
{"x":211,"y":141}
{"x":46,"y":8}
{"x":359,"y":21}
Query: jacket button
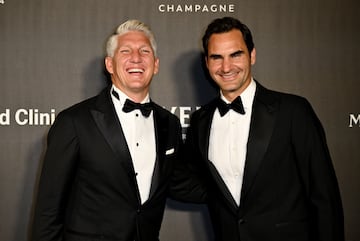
{"x":241,"y":221}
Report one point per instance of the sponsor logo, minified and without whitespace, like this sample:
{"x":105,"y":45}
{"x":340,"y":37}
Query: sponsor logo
{"x":354,"y":120}
{"x":35,"y":117}
{"x":196,"y":8}
{"x":27,"y":117}
{"x":183,"y":112}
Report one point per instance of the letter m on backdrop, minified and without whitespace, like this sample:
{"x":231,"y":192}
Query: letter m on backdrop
{"x":354,"y":120}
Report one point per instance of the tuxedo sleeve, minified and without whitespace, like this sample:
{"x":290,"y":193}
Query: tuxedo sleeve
{"x":317,"y":173}
{"x":55,"y":180}
{"x":188,"y":182}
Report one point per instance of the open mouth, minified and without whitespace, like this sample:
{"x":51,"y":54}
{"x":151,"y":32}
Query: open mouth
{"x":135,"y":71}
{"x":229,"y":76}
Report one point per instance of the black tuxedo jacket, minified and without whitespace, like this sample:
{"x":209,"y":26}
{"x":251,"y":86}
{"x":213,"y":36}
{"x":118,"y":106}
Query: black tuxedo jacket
{"x":88,"y":189}
{"x":289,"y":192}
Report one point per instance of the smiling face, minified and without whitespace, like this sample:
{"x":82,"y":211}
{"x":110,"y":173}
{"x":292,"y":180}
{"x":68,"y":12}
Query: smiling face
{"x":229,"y":62}
{"x":133,"y":64}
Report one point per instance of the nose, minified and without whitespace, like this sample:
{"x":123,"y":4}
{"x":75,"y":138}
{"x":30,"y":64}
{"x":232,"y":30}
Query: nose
{"x":135,"y":57}
{"x":226,"y":65}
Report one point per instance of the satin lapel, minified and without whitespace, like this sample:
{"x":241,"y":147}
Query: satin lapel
{"x":261,"y":128}
{"x":108,"y":123}
{"x":204,"y":128}
{"x":222,"y":187}
{"x":160,"y":140}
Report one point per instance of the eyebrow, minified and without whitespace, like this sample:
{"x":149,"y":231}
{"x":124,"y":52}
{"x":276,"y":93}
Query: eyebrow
{"x":219,"y":56}
{"x":215,"y":56}
{"x":237,"y":53}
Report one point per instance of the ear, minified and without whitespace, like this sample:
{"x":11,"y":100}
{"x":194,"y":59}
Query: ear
{"x":253,"y":56}
{"x":156,"y":65}
{"x":109,"y":64}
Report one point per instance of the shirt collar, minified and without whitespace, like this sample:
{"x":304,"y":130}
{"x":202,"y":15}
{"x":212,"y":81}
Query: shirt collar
{"x":123,"y":96}
{"x":247,"y":96}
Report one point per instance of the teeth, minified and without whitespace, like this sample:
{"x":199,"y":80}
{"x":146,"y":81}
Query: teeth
{"x":228,"y":75}
{"x":135,"y":71}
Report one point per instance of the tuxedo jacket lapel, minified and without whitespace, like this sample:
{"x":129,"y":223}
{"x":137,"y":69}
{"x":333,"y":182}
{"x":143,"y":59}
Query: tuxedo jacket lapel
{"x":108,"y":123}
{"x":204,"y":127}
{"x":261,"y":127}
{"x":160,"y":134}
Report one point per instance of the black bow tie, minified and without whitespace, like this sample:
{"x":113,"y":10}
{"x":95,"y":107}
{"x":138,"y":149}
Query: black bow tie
{"x":130,"y":105}
{"x":236,"y":105}
{"x":144,"y":108}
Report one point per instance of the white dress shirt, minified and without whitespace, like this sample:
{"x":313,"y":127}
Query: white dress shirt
{"x":228,"y":142}
{"x":140,"y":137}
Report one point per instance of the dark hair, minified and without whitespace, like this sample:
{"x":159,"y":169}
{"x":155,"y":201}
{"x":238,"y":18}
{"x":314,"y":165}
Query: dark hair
{"x":226,"y":24}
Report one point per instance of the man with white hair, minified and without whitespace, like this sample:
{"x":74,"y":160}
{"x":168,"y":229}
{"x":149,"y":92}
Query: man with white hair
{"x":109,"y":159}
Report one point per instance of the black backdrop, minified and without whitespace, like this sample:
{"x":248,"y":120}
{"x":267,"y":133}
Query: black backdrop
{"x":51,"y":56}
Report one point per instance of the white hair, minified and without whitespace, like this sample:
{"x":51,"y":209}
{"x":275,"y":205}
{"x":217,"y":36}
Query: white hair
{"x":130,"y":25}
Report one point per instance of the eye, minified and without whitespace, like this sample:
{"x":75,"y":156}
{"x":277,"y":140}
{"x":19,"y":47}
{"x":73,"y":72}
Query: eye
{"x":215,"y":57}
{"x":124,"y":51}
{"x":145,"y":51}
{"x":237,"y":54}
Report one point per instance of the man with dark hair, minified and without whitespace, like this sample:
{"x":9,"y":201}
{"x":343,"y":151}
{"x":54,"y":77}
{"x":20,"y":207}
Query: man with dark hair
{"x":262,"y":155}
